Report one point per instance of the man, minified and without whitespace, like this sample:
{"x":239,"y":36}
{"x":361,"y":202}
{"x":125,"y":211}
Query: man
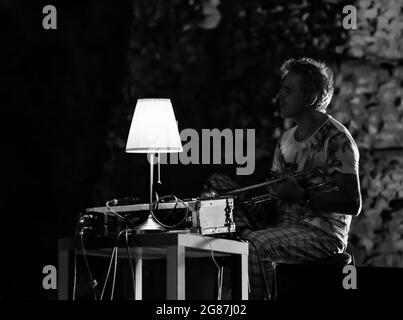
{"x":309,"y":224}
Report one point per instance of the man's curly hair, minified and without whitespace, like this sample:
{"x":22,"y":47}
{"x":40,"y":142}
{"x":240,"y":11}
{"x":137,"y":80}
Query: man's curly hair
{"x":317,"y":78}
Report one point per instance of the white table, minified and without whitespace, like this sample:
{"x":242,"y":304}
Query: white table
{"x":172,"y":246}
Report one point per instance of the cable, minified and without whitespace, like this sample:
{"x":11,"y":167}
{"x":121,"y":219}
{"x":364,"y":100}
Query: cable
{"x":107,"y":274}
{"x":219,"y":281}
{"x":114,"y":273}
{"x":162,"y":198}
{"x":81,"y":220}
{"x":262,"y":269}
{"x":75,"y":273}
{"x":115,"y":202}
{"x":229,"y":294}
{"x":110,"y":262}
{"x":93,"y":282}
{"x":174,"y":208}
{"x":260,"y":262}
{"x":157,"y":201}
{"x":114,"y":256}
{"x":130,"y":264}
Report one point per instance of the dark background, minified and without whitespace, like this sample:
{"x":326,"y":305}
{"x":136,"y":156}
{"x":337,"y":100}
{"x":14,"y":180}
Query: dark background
{"x":58,"y":91}
{"x":68,"y":96}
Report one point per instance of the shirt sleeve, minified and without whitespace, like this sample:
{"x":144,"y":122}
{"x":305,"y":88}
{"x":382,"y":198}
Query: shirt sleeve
{"x":343,"y":148}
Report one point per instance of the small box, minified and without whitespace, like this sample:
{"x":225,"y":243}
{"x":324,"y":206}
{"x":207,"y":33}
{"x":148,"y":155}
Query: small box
{"x":213,"y":216}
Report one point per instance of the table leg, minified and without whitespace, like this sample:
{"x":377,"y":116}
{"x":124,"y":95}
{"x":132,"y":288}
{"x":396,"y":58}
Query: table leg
{"x":239,"y":272}
{"x":244,"y":277}
{"x":139,"y":279}
{"x":63,"y":275}
{"x":175,"y":273}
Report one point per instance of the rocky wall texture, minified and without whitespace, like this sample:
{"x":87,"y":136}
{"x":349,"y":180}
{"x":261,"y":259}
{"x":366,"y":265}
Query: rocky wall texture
{"x":368,"y":101}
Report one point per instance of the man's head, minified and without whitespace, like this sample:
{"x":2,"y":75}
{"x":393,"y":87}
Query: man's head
{"x":306,"y":83}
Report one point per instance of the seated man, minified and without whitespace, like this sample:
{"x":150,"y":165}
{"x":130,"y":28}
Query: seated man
{"x":310,"y":224}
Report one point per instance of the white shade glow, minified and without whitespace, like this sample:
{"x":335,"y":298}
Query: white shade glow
{"x":153,"y":128}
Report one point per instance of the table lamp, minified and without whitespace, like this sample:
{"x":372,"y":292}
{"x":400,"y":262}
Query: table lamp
{"x":153,"y":130}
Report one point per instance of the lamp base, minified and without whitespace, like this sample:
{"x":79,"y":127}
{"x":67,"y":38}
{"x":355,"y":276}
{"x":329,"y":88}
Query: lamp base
{"x":150,"y":225}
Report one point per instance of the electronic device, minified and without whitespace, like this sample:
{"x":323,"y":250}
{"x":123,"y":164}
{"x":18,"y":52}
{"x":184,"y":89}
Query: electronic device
{"x":213,"y":216}
{"x":202,"y":216}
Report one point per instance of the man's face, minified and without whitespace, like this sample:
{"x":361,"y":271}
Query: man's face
{"x":291,"y":98}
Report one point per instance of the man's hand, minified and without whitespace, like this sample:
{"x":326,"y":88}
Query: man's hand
{"x":216,"y":184}
{"x":289,"y":190}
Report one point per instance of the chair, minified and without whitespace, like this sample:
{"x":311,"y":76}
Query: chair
{"x":321,"y":278}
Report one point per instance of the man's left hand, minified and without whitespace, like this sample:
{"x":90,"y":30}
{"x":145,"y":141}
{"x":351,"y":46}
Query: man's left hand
{"x":290,"y":190}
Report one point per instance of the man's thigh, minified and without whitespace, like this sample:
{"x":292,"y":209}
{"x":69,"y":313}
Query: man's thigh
{"x":293,"y":243}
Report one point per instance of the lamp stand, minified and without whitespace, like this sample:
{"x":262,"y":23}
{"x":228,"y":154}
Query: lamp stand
{"x":150,"y":225}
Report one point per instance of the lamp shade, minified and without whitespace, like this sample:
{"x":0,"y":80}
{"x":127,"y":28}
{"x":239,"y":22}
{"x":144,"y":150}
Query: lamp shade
{"x":154,"y":128}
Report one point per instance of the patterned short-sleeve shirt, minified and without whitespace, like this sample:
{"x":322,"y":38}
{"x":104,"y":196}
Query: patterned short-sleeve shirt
{"x":330,"y":142}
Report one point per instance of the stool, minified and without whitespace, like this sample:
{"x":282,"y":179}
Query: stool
{"x":322,"y":278}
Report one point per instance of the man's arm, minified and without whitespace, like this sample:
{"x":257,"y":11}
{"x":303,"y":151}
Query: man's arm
{"x":348,"y":199}
{"x":345,"y":201}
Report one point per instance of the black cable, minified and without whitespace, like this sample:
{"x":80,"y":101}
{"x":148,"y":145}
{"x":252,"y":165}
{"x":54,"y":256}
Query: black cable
{"x":172,"y":210}
{"x":219,"y":274}
{"x":260,"y":262}
{"x":108,"y":272}
{"x":130,"y":263}
{"x":75,"y":273}
{"x":114,"y":252}
{"x":115,"y":202}
{"x":114,"y":272}
{"x":93,"y":283}
{"x":81,"y":220}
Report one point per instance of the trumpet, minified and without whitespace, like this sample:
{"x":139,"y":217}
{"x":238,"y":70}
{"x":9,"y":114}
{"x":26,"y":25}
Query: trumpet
{"x":320,"y":171}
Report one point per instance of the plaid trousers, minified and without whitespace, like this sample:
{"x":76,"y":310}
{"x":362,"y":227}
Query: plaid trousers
{"x":291,"y":241}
